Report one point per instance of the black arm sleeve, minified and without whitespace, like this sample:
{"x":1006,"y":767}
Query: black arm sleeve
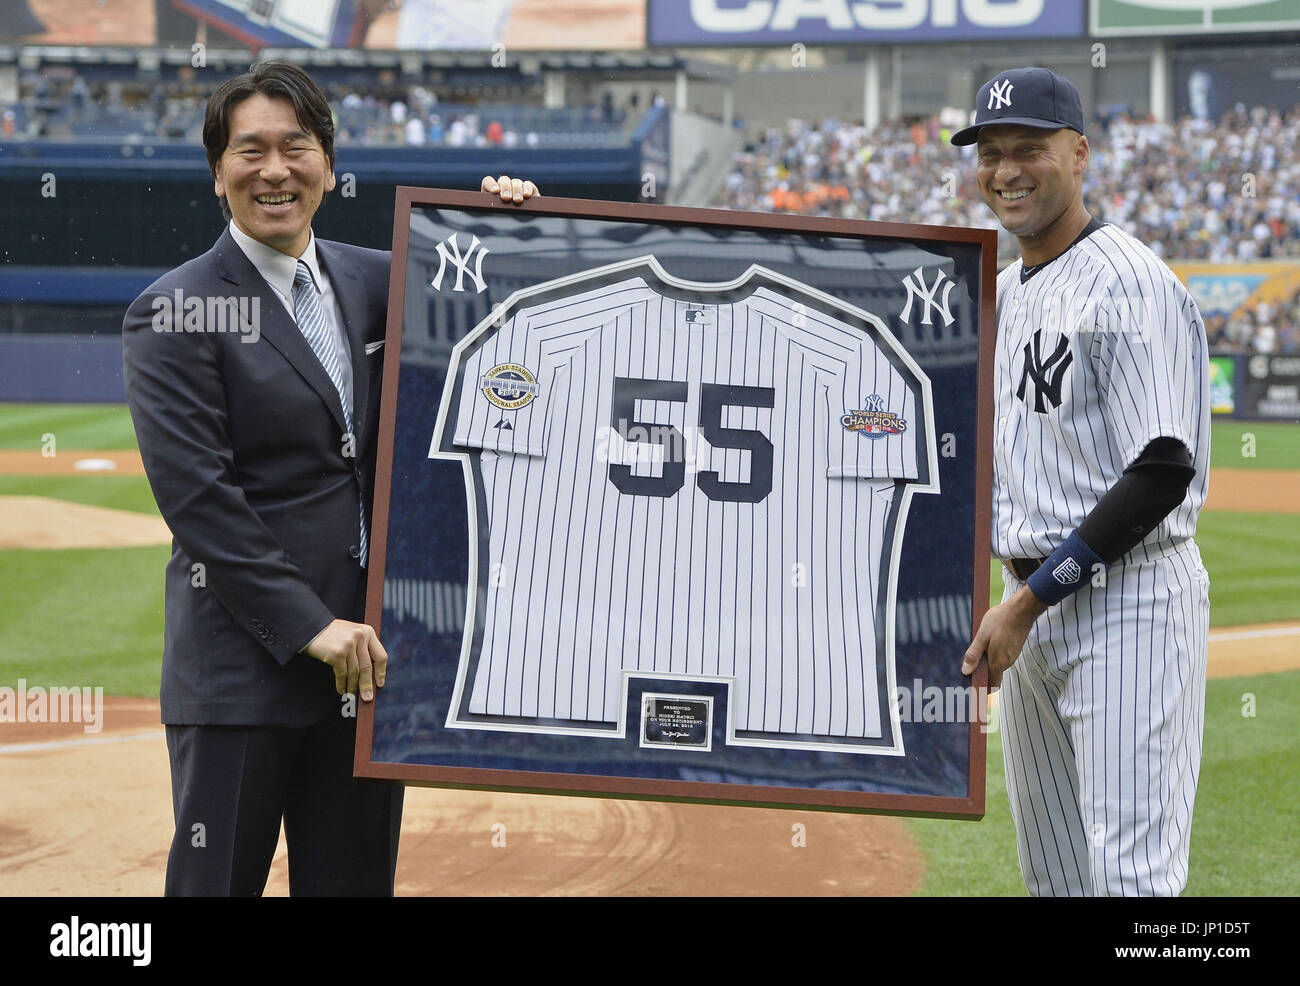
{"x":1145,"y":495}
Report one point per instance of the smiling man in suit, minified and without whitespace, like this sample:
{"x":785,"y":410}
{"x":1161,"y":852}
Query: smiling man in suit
{"x":252,"y":374}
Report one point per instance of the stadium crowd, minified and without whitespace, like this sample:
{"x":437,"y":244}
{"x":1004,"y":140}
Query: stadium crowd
{"x":1260,"y":327}
{"x":1218,"y":192}
{"x":1193,"y":190}
{"x":386,"y":114}
{"x":1222,"y":192}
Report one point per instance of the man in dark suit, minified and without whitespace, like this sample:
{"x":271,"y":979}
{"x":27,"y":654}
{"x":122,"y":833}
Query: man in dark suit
{"x":252,"y":374}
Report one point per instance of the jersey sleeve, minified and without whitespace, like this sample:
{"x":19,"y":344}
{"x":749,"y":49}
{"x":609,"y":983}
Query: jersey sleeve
{"x":1146,"y":343}
{"x":873,"y":431}
{"x":505,"y":393}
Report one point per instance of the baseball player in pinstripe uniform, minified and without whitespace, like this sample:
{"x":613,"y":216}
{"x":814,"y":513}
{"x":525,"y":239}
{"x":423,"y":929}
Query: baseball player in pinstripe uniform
{"x":1101,"y":455}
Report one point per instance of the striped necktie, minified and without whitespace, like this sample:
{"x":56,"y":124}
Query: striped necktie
{"x":324,"y":343}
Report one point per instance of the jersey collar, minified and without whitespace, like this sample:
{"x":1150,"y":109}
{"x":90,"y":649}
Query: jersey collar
{"x":1026,"y":272}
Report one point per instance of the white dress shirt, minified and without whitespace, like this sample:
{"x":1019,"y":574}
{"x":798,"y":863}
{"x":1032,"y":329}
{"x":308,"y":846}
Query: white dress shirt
{"x":278,"y":270}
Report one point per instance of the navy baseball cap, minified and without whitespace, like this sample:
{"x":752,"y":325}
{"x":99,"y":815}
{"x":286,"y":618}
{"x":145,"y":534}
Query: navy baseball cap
{"x":1026,"y":97}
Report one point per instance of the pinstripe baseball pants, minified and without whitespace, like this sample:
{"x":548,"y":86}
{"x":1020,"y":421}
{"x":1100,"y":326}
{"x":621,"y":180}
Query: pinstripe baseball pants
{"x":1102,"y":718}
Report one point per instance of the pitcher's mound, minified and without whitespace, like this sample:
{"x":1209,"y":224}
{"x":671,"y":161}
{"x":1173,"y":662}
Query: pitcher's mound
{"x":43,"y":522}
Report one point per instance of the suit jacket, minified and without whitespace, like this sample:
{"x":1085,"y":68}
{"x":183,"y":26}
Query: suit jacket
{"x":243,"y":444}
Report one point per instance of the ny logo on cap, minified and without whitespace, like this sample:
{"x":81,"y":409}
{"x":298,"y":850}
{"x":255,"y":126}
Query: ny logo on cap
{"x":1000,"y":94}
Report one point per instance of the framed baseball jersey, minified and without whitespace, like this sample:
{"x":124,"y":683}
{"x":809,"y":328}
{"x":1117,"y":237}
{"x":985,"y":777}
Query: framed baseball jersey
{"x":682,"y":504}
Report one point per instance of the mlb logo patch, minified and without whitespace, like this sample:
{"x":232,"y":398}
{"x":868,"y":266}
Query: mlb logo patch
{"x":691,"y":317}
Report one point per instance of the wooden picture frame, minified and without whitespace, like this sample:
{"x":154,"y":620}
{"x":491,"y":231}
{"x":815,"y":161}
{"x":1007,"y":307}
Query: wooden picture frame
{"x":854,"y":722}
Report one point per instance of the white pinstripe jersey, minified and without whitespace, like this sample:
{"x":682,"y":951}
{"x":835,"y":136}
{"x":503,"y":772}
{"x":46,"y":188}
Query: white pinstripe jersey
{"x":687,"y":484}
{"x":1099,"y":352}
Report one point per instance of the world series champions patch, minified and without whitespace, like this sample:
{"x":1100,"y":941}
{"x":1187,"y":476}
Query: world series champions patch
{"x":873,"y":421}
{"x":509,"y":386}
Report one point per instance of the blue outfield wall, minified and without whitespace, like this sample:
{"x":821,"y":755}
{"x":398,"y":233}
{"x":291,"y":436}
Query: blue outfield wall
{"x":89,"y":224}
{"x":62,"y":368}
{"x":117,"y":286}
{"x":111,"y":204}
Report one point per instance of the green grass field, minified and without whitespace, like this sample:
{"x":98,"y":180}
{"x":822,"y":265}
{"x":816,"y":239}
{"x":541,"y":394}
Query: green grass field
{"x":1254,"y":445}
{"x":74,"y":426}
{"x":85,"y":616}
{"x":1243,"y":836}
{"x":95,"y":617}
{"x":97,"y":490}
{"x":1251,"y":561}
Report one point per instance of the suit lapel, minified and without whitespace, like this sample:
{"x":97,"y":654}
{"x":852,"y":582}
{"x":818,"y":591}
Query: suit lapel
{"x":277,"y":326}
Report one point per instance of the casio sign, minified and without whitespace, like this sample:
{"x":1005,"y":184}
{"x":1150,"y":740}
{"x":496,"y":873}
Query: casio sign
{"x":849,"y":15}
{"x":1285,"y":366}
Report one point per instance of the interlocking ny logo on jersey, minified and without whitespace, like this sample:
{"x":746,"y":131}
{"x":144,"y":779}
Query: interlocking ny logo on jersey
{"x":461,"y":263}
{"x":1000,"y":94}
{"x":916,"y":288}
{"x":873,"y":421}
{"x":1048,"y":374}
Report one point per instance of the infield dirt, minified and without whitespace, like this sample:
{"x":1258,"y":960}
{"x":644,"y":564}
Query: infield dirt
{"x":91,"y":815}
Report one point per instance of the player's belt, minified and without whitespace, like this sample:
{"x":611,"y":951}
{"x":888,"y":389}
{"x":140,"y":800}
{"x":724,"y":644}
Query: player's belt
{"x":1022,"y":568}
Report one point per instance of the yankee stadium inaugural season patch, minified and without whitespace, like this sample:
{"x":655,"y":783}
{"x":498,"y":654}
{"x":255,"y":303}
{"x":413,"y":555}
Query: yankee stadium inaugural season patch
{"x":509,"y":386}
